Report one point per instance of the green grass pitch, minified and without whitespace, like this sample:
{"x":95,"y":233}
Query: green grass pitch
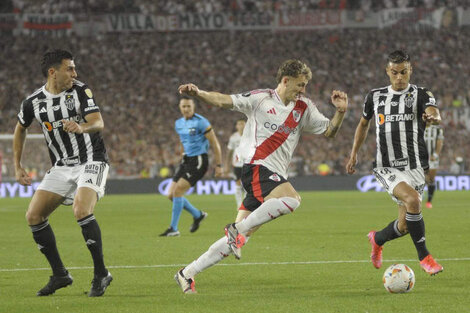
{"x":315,"y":260}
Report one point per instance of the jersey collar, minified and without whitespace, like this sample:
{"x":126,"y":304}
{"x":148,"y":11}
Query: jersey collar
{"x":51,"y":95}
{"x":390,"y":90}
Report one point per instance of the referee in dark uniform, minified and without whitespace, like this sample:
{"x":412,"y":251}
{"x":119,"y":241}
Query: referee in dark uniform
{"x":196,"y":133}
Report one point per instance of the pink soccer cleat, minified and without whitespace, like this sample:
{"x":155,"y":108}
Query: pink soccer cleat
{"x":376,"y":253}
{"x":430,"y":266}
{"x":429,"y":205}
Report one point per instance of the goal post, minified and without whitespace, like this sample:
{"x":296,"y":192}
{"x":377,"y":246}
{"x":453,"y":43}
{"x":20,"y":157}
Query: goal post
{"x":35,"y":158}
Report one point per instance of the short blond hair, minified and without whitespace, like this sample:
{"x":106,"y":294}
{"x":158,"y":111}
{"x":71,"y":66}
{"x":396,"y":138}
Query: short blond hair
{"x":293,"y":68}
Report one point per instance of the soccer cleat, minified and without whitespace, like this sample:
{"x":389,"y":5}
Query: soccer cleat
{"x":187,"y":285}
{"x":55,"y":282}
{"x":235,"y":240}
{"x":376,"y":253}
{"x":430,"y":266}
{"x":197,"y":221}
{"x":170,"y":232}
{"x":99,"y":285}
{"x":429,"y":205}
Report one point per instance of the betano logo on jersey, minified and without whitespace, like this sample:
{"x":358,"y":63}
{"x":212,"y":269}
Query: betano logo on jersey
{"x":404,"y":117}
{"x":57,"y":124}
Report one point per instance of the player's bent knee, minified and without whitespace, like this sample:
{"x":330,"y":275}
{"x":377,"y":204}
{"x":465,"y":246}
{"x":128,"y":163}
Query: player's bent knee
{"x":179,"y":192}
{"x":34,"y":218}
{"x":81,"y":210}
{"x":290,"y":204}
{"x":413,"y":204}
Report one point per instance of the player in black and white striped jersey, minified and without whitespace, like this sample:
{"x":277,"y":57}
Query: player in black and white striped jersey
{"x":401,"y":112}
{"x":434,"y":138}
{"x":71,"y":123}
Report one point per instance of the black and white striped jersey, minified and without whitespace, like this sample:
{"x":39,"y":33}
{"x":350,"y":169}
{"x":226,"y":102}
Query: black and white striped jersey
{"x":49,"y":110}
{"x":399,"y":125}
{"x":432,"y":134}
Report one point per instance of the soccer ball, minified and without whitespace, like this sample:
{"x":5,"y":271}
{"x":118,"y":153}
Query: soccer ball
{"x":399,"y":278}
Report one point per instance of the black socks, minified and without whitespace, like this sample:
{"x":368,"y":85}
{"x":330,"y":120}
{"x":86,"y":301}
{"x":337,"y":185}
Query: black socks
{"x":92,"y":235}
{"x":44,"y":237}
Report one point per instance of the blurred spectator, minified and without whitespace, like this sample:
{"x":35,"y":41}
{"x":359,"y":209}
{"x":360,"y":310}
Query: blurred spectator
{"x":324,"y":169}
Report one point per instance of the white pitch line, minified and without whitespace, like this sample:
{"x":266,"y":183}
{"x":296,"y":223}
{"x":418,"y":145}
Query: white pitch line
{"x":229,"y":264}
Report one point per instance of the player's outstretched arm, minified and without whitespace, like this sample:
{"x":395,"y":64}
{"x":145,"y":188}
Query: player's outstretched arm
{"x":211,"y":97}
{"x":19,"y":139}
{"x":359,"y":137}
{"x":340,"y":101}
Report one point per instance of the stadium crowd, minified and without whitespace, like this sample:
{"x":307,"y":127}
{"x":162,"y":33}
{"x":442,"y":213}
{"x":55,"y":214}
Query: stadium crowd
{"x":210,"y":6}
{"x":135,"y":78}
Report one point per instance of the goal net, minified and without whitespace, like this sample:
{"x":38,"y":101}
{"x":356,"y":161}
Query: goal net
{"x":35,"y":159}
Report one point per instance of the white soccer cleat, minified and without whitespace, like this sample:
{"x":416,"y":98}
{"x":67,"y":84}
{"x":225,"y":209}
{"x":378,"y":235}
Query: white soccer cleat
{"x":187,"y":285}
{"x":235,"y":240}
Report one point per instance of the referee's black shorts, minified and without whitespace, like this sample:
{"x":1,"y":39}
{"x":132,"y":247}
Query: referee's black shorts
{"x":258,"y":181}
{"x":192,"y":168}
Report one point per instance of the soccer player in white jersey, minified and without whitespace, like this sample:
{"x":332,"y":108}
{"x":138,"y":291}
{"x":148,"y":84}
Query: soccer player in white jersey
{"x":71,"y":122}
{"x":276,"y":119}
{"x":402,"y":111}
{"x":434,"y":138}
{"x":235,"y":161}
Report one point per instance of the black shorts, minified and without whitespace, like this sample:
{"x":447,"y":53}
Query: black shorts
{"x":238,"y":172}
{"x":258,"y":182}
{"x":192,"y":168}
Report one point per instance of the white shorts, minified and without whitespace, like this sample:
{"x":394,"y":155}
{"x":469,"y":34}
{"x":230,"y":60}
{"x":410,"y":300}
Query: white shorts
{"x":390,"y":177}
{"x":65,"y":180}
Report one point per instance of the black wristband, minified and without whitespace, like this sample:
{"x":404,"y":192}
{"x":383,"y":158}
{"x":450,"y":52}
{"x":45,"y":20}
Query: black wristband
{"x":219,"y":165}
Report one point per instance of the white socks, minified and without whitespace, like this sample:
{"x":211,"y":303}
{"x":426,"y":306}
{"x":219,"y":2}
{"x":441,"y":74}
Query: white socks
{"x":239,"y":195}
{"x":216,"y":253}
{"x":269,"y":210}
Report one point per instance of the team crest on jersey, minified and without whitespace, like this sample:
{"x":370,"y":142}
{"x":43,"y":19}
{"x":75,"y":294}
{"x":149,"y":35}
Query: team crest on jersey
{"x":409,"y":100}
{"x":275,"y":177}
{"x":296,"y":114}
{"x":69,"y":102}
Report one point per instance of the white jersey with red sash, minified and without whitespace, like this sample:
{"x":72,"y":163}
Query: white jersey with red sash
{"x":273,"y":129}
